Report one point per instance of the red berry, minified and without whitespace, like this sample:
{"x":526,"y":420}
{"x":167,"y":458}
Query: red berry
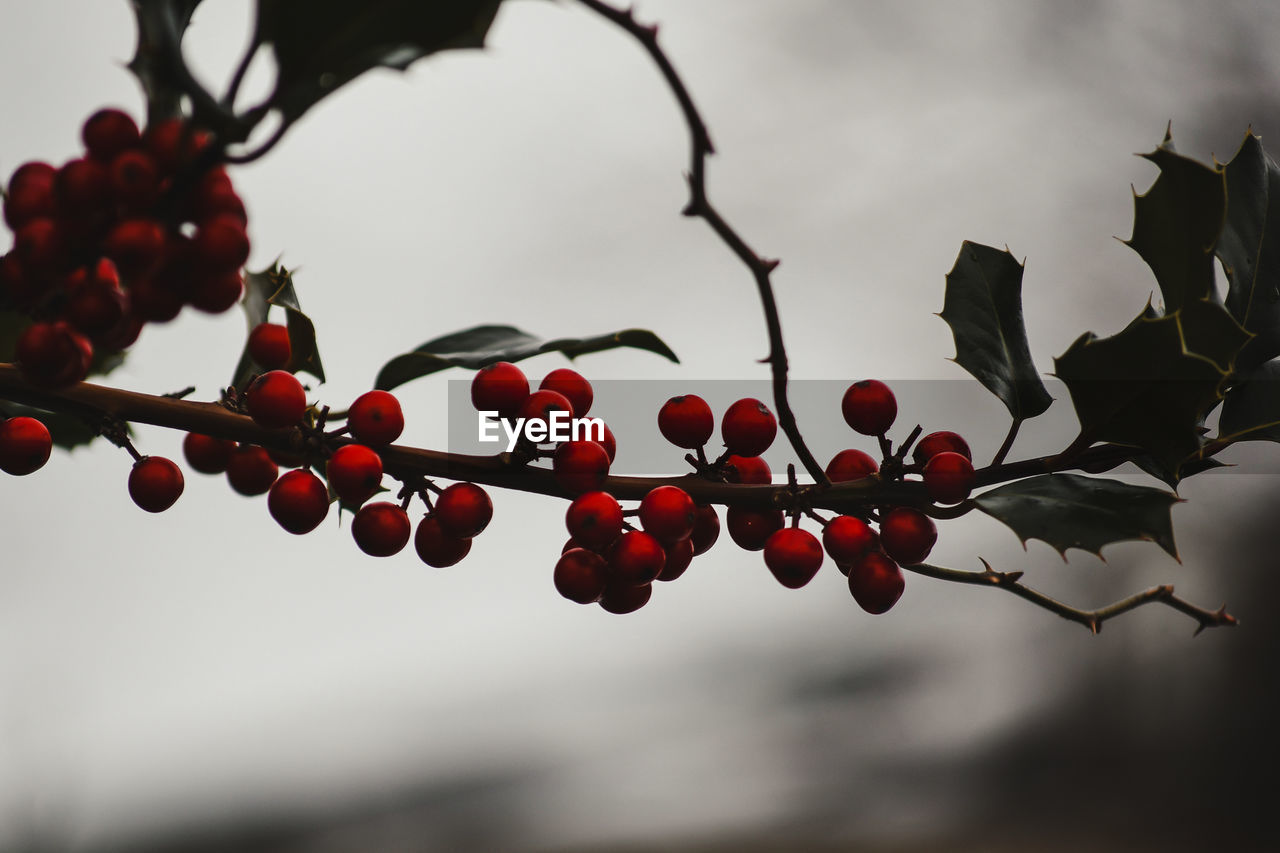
{"x":40,"y":247}
{"x":299,"y":501}
{"x":250,"y":470}
{"x":948,"y":477}
{"x":25,"y":445}
{"x":30,"y":194}
{"x":136,"y":245}
{"x":375,"y":418}
{"x":95,"y":303}
{"x":750,"y":529}
{"x":381,"y":529}
{"x":580,"y":575}
{"x":207,"y":454}
{"x":269,"y":346}
{"x":221,"y":243}
{"x":636,"y":558}
{"x":747,"y":470}
{"x":793,"y":555}
{"x":501,"y":388}
{"x":155,"y":483}
{"x":215,"y":292}
{"x":134,"y":179}
{"x":463,"y":510}
{"x":575,"y":388}
{"x":53,"y":355}
{"x":152,"y":303}
{"x":679,"y":555}
{"x":847,"y":538}
{"x":937,"y":442}
{"x":851,"y":465}
{"x":83,"y":190}
{"x":539,"y":406}
{"x":174,"y":143}
{"x":594,"y":520}
{"x":620,"y":598}
{"x":437,"y":548}
{"x":876,"y":582}
{"x":276,"y":400}
{"x":668,"y":513}
{"x":706,"y":529}
{"x":354,"y":473}
{"x":580,"y":466}
{"x":108,"y":132}
{"x":907,"y":535}
{"x":287,"y":460}
{"x":686,"y":421}
{"x":869,"y":407}
{"x":748,"y":427}
{"x":610,"y":444}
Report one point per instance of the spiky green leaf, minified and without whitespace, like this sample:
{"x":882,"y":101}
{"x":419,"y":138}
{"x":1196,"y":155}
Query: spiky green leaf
{"x":1251,"y":411}
{"x":1249,"y":249}
{"x":274,"y":287}
{"x":157,"y":59}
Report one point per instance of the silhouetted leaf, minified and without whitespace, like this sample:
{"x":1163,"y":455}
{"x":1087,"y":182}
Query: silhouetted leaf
{"x":1251,"y":411}
{"x":1249,"y":249}
{"x":983,"y":307}
{"x":68,"y":431}
{"x":158,"y":55}
{"x":320,"y":45}
{"x":274,"y":286}
{"x":476,"y":347}
{"x":1176,"y":225}
{"x":1074,"y":511}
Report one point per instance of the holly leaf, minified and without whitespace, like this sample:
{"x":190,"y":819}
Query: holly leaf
{"x":320,"y":45}
{"x":1074,"y":511}
{"x":1249,"y":248}
{"x":1176,"y":225}
{"x":983,"y":307}
{"x":67,"y":430}
{"x":1146,"y":387}
{"x":157,"y":59}
{"x":481,"y":345}
{"x":262,"y":290}
{"x":1251,"y":411}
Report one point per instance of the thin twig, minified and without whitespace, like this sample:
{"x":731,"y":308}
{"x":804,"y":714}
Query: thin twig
{"x":700,"y":206}
{"x":1091,"y":619}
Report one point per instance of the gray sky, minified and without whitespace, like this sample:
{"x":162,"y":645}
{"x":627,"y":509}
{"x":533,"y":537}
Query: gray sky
{"x":163,"y":671}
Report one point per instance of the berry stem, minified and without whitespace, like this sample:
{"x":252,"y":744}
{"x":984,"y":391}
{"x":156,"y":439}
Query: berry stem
{"x":1008,"y":442}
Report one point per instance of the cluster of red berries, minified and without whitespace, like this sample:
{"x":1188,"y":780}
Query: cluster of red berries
{"x":124,"y":235}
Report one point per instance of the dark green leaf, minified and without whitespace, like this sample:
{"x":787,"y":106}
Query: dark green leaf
{"x":481,"y":345}
{"x":68,"y":431}
{"x":157,"y":59}
{"x":1189,"y":469}
{"x":320,"y":45}
{"x":1249,"y":249}
{"x":274,"y":287}
{"x":1251,"y":411}
{"x":983,"y":307}
{"x":1074,"y":511}
{"x":1176,"y":224}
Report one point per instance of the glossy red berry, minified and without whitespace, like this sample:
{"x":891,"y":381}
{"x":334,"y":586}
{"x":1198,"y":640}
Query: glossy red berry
{"x":594,"y":520}
{"x":108,"y":132}
{"x":276,"y":400}
{"x":869,"y":407}
{"x":686,"y":421}
{"x":250,"y":470}
{"x":354,"y":472}
{"x":83,"y":190}
{"x":907,"y":535}
{"x":679,"y":555}
{"x":25,"y":445}
{"x":580,"y":575}
{"x":381,"y":529}
{"x":41,"y":246}
{"x":437,"y":548}
{"x":748,"y":427}
{"x":155,"y":483}
{"x":30,"y":194}
{"x":750,"y":529}
{"x":53,"y":355}
{"x":573,"y":386}
{"x":463,"y":510}
{"x":95,"y":304}
{"x":580,"y":466}
{"x":610,"y":444}
{"x":134,"y":179}
{"x":706,"y":529}
{"x":539,"y":407}
{"x":215,"y":292}
{"x":620,"y":598}
{"x":668,"y":513}
{"x":636,"y":558}
{"x":501,"y":388}
{"x":847,"y":539}
{"x":948,"y":477}
{"x":375,"y":418}
{"x":221,"y":243}
{"x":876,"y":582}
{"x":849,"y":465}
{"x":938,"y":442}
{"x":298,"y":501}
{"x":207,"y":454}
{"x":747,"y":470}
{"x":136,"y":245}
{"x":269,"y":346}
{"x":793,"y":555}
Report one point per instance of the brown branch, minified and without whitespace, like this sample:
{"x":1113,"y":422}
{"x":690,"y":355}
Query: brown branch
{"x":1091,"y":619}
{"x":700,"y":206}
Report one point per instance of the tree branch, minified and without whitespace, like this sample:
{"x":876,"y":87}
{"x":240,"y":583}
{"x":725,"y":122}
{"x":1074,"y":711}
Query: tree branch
{"x":1091,"y":619}
{"x":700,"y":206}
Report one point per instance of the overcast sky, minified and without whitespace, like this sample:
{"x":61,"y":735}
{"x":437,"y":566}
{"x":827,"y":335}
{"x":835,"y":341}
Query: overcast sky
{"x":174,"y":670}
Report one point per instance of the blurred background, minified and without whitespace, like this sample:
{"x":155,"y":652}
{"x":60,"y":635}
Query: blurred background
{"x":203,"y":681}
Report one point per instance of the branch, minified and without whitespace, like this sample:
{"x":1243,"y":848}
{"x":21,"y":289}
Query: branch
{"x":700,"y":206}
{"x":1091,"y":619}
